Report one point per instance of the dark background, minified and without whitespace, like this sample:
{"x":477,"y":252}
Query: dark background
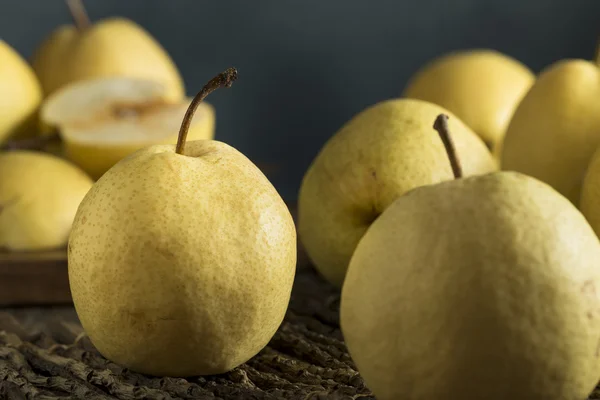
{"x":305,"y":67}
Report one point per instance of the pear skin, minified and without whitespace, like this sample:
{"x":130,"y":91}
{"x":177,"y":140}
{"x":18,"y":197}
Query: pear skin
{"x":52,"y":55}
{"x":556,"y":128}
{"x":482,"y":87}
{"x":482,"y":287}
{"x":21,"y":96}
{"x":114,"y":46}
{"x":182,"y":257}
{"x":383,"y":152}
{"x":39,"y":195}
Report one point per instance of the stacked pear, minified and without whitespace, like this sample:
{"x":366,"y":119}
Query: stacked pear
{"x":111,"y":47}
{"x":40,"y":193}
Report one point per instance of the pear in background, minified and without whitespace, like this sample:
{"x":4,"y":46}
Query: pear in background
{"x":105,"y":119}
{"x":556,"y":128}
{"x":39,"y":195}
{"x":182,"y":257}
{"x":111,"y":47}
{"x":478,"y":288}
{"x":482,"y":87}
{"x":50,"y":59}
{"x":590,"y":193}
{"x":20,"y":96}
{"x":380,"y":154}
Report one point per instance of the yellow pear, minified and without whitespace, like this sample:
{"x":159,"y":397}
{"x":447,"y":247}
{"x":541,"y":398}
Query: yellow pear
{"x":20,"y":95}
{"x":590,"y":193}
{"x":103,"y":120}
{"x":485,"y":287}
{"x":182,"y":257}
{"x":377,"y":156}
{"x":51,"y":57}
{"x":114,"y":46}
{"x":556,"y":127}
{"x":482,"y":87}
{"x":39,"y":195}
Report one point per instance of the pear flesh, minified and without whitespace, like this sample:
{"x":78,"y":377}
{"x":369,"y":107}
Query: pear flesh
{"x":480,"y":288}
{"x":105,"y":119}
{"x":182,"y":265}
{"x":380,"y":154}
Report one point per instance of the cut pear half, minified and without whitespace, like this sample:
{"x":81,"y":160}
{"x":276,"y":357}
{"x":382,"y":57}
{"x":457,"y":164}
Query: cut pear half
{"x":103,"y":120}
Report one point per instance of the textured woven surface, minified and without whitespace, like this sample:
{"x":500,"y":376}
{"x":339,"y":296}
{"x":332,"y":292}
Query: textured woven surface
{"x":45,"y":355}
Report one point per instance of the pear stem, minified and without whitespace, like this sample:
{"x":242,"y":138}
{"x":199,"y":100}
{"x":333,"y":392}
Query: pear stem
{"x":441,"y":125}
{"x":597,"y":53}
{"x":224,"y":79}
{"x":79,"y":14}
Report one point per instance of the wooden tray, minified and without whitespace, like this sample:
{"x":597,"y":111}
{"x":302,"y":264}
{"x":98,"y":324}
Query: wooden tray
{"x":34,"y":278}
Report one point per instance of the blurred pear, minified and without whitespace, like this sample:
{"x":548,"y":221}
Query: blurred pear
{"x":21,"y":95}
{"x":110,"y":47}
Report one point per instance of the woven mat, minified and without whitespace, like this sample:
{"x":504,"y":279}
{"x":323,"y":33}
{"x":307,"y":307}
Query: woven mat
{"x":44,"y":354}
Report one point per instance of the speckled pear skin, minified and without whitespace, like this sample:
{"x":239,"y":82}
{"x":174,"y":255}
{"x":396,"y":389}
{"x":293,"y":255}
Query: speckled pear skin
{"x":380,"y":154}
{"x":182,"y":265}
{"x":482,"y":288}
{"x":39,"y":196}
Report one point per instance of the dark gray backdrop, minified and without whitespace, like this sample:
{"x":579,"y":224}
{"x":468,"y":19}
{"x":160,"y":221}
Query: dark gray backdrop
{"x":305,"y":67}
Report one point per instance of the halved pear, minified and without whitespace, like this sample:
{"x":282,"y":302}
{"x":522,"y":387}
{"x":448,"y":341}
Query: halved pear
{"x":103,"y":120}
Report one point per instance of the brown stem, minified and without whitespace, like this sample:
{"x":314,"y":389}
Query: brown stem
{"x":224,"y":79}
{"x":36,"y":143}
{"x":79,"y":14}
{"x":441,"y":125}
{"x":597,"y":54}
